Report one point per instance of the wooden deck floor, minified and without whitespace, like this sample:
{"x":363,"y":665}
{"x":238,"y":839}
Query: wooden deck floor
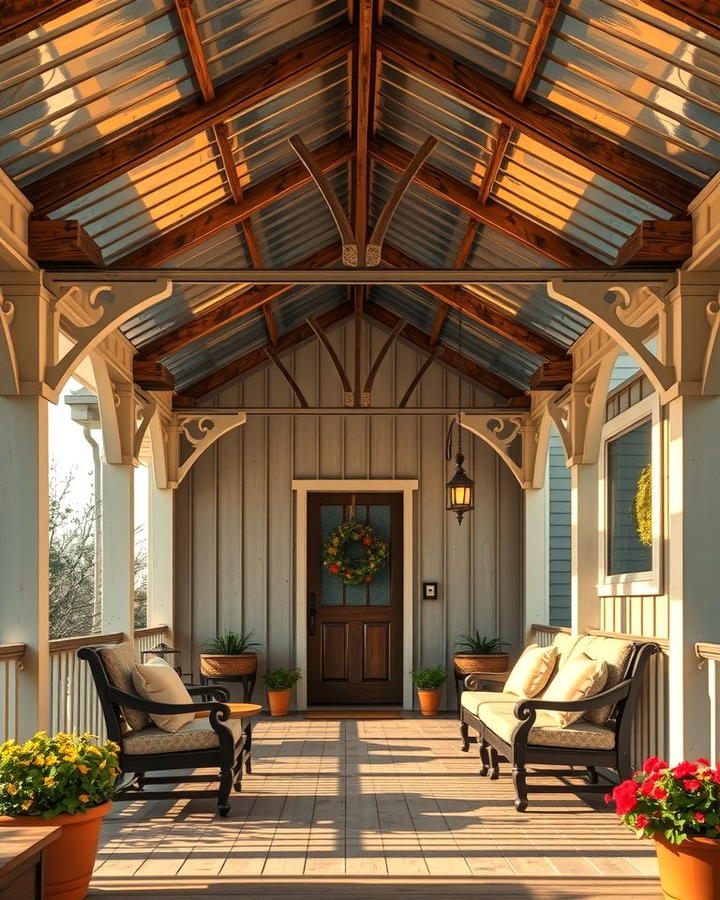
{"x":371,"y":809}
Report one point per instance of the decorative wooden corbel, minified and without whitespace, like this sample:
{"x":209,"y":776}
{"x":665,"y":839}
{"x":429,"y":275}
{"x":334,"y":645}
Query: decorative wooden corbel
{"x":9,"y":373}
{"x":711,"y":361}
{"x":199,"y":431}
{"x":109,"y":304}
{"x":146,"y":410}
{"x":513,"y":439}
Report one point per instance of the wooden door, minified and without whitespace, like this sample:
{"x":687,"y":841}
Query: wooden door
{"x":355,"y":631}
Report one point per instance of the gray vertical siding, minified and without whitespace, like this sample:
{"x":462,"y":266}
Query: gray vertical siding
{"x":559,"y":532}
{"x":234,"y":537}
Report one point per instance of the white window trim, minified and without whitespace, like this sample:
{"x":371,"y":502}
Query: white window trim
{"x":632,"y":583}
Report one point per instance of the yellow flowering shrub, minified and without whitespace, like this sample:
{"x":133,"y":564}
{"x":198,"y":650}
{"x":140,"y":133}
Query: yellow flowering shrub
{"x":47,"y":776}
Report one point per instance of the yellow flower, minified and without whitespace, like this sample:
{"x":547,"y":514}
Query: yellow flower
{"x":102,"y":764}
{"x":96,"y":751}
{"x":39,"y":761}
{"x":27,"y":804}
{"x":11,"y":789}
{"x":71,"y":757}
{"x":82,"y":769}
{"x":49,"y":781}
{"x":51,"y":760}
{"x":84,"y":798}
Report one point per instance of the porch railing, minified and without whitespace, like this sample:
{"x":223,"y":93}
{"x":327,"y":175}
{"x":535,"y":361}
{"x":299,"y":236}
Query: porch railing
{"x":708,"y":658}
{"x":650,"y":725}
{"x":11,"y":660}
{"x":147,"y":638}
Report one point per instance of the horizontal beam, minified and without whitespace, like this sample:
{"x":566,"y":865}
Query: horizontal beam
{"x":182,"y":121}
{"x":152,"y":376}
{"x":549,"y":128}
{"x":53,"y":241}
{"x":347,"y":410}
{"x":552,"y":376}
{"x":658,"y":242}
{"x":360,"y":276}
{"x":502,"y":218}
{"x":200,"y":228}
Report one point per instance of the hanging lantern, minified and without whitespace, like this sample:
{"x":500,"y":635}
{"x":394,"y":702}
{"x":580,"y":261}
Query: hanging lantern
{"x":460,"y":488}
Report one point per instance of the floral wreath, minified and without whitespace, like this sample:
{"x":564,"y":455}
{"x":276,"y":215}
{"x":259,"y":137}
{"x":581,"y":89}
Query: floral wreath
{"x":344,"y":567}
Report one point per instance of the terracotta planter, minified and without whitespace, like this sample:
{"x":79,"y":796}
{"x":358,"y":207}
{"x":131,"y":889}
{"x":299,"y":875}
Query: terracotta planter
{"x":221,"y":665}
{"x":691,"y":870}
{"x":429,"y":701}
{"x":279,"y":701}
{"x":469,"y":663}
{"x":68,"y":862}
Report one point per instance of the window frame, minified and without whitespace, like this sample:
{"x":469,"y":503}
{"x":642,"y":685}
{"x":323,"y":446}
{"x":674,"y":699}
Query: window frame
{"x":648,"y":583}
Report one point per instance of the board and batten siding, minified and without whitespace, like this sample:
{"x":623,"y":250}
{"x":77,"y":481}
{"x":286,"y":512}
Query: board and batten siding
{"x":234,"y":540}
{"x":559,"y":550}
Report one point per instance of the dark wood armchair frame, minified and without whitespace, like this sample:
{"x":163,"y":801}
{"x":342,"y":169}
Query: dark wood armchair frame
{"x":623,"y":698}
{"x":229,"y":757}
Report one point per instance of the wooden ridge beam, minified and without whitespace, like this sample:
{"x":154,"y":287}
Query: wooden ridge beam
{"x":449,"y":357}
{"x":481,"y":311}
{"x":199,"y":228}
{"x":701,"y":14}
{"x":364,"y":58}
{"x":228,"y":310}
{"x":492,"y":213}
{"x":56,"y":241}
{"x":562,"y":135}
{"x":179,"y":123}
{"x":20,"y":17}
{"x":152,"y":376}
{"x":658,"y":242}
{"x":259,"y":357}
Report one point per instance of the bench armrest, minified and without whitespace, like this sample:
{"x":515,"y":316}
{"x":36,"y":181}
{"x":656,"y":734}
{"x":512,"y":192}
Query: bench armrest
{"x":473,"y":681}
{"x":219,"y":712}
{"x":526,"y":709}
{"x":209,"y":692}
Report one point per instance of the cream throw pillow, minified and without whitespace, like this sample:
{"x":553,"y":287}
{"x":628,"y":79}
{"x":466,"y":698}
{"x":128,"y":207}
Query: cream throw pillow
{"x":159,"y":682}
{"x":531,"y":672}
{"x":579,"y":678}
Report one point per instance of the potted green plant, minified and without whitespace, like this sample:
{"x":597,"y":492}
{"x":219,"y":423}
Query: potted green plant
{"x":279,"y":684}
{"x":480,"y":654}
{"x":66,"y":781}
{"x":429,"y":683}
{"x":679,"y":808}
{"x":229,"y":654}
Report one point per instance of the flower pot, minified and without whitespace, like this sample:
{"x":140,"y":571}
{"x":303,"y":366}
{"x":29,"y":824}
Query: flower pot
{"x":222,"y":665}
{"x":69,"y":861}
{"x":469,"y":663}
{"x":279,"y":701}
{"x":691,"y":870}
{"x":429,"y":701}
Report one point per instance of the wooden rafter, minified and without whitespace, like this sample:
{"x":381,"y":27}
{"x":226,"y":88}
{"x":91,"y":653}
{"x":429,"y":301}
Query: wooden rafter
{"x":562,"y":135}
{"x":20,"y":17}
{"x":658,"y":242}
{"x":500,"y":217}
{"x":364,"y":54}
{"x":199,"y":228}
{"x":229,"y":309}
{"x":481,"y":311}
{"x":181,"y":122}
{"x":188,"y":23}
{"x":54,"y":241}
{"x":302,"y":400}
{"x":449,"y":357}
{"x":701,"y":14}
{"x":258,"y":357}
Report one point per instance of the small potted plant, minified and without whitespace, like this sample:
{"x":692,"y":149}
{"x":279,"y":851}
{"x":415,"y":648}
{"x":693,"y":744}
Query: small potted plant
{"x":429,"y":683}
{"x":279,"y":684}
{"x":679,"y":808}
{"x":66,"y":781}
{"x":229,"y":654}
{"x":480,"y":654}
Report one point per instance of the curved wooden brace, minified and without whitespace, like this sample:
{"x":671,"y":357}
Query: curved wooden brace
{"x":381,"y":356}
{"x":610,"y":305}
{"x":555,"y":414}
{"x":112,"y":304}
{"x":542,"y":446}
{"x":159,"y":448}
{"x":201,"y":431}
{"x":348,"y":394}
{"x":418,"y":376}
{"x":107,"y":405}
{"x":500,"y":431}
{"x":597,"y":407}
{"x":147,"y":411}
{"x":288,"y":377}
{"x":711,"y":362}
{"x":373,"y":252}
{"x":349,"y":243}
{"x":9,"y":373}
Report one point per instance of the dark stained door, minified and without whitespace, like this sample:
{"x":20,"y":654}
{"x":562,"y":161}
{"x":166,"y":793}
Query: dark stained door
{"x":355,"y":631}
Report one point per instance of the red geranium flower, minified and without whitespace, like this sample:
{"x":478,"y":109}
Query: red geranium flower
{"x":683,"y":769}
{"x":691,"y":784}
{"x":659,"y":793}
{"x":642,"y":821}
{"x":701,"y":761}
{"x":654,"y":764}
{"x":625,"y":797}
{"x":647,"y":787}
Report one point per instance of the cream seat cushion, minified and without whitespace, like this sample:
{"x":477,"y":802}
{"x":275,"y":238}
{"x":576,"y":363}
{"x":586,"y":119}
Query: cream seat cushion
{"x":546,"y":732}
{"x":473,"y":700}
{"x":196,"y":735}
{"x":579,"y":678}
{"x":159,"y":682}
{"x":532,"y":671}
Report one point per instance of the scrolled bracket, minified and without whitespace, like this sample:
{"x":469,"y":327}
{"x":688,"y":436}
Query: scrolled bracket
{"x":511,"y":436}
{"x":145,"y":414}
{"x":200,"y":431}
{"x":9,"y":372}
{"x":711,"y":361}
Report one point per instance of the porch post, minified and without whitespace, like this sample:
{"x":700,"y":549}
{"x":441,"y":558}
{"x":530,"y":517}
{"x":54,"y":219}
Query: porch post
{"x":584,"y":604}
{"x":161,"y":503}
{"x":537,"y":556}
{"x":24,"y":556}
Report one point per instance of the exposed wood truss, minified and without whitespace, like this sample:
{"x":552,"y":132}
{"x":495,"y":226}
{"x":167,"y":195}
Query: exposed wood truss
{"x":658,"y":242}
{"x":454,"y":191}
{"x":363,"y":73}
{"x":20,"y":17}
{"x":152,"y":376}
{"x":182,"y":122}
{"x":563,"y":135}
{"x":61,"y":241}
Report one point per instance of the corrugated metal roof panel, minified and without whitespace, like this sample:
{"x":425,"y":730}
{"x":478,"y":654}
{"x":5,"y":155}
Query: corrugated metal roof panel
{"x":238,"y":33}
{"x":650,"y":81}
{"x":84,"y":78}
{"x":293,"y":308}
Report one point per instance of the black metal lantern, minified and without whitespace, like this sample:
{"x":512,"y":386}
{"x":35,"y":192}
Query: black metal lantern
{"x":460,"y":488}
{"x":164,"y":651}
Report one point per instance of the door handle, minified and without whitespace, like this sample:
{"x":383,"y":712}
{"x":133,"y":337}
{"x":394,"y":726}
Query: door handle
{"x":311,"y":614}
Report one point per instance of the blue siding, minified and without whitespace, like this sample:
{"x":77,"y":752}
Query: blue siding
{"x":559,"y":532}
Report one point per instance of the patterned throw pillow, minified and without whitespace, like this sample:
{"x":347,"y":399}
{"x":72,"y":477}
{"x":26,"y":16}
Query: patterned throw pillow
{"x":531,"y":672}
{"x":119,"y":663}
{"x":579,"y":678}
{"x":159,"y":682}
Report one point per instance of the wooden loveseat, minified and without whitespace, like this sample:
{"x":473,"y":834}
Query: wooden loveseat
{"x":526,"y":732}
